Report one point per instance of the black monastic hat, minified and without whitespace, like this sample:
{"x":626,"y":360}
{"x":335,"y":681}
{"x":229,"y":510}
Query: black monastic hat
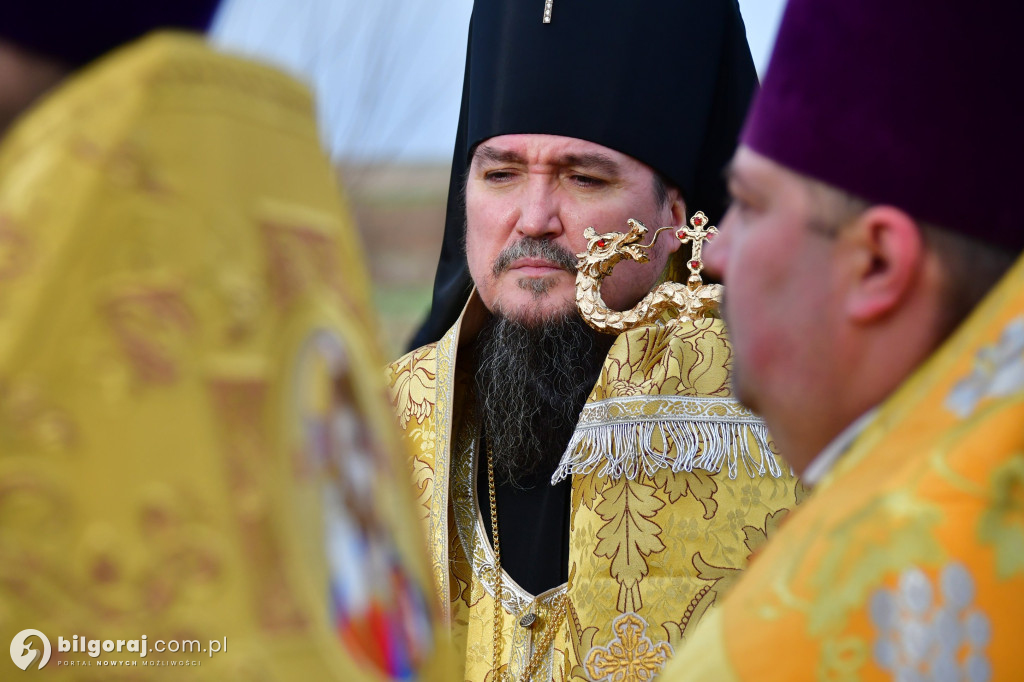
{"x":667,"y":82}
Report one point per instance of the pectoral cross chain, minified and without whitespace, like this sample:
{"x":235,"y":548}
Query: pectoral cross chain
{"x":548,"y":5}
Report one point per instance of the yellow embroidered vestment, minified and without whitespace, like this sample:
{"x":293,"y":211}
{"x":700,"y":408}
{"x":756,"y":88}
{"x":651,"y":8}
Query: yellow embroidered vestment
{"x":907,"y":561}
{"x":674,"y":486}
{"x":187,"y":387}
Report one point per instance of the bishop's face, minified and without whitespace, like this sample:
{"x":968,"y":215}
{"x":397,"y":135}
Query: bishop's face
{"x":547,"y":189}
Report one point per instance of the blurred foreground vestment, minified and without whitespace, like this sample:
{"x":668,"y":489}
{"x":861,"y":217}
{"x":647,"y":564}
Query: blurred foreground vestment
{"x":908,"y":559}
{"x":194,"y":438}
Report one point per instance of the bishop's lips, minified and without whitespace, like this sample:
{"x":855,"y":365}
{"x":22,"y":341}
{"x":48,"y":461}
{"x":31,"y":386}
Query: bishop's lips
{"x":528,"y":252}
{"x":536,"y":266}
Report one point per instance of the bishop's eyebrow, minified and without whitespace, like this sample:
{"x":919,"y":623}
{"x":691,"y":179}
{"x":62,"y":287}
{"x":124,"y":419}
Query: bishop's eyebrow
{"x":487,"y":153}
{"x":593,"y":161}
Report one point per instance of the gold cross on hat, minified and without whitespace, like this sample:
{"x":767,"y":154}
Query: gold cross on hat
{"x":548,"y":5}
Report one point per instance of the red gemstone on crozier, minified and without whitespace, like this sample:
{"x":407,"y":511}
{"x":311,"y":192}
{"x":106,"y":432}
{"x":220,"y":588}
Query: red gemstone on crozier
{"x":601,"y":243}
{"x":694,"y":264}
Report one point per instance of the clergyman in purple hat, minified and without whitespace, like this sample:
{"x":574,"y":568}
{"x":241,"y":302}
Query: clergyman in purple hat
{"x":875,"y":300}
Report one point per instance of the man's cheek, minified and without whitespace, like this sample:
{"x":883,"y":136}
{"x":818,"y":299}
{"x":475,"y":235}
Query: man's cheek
{"x":629,"y":282}
{"x":479,"y":263}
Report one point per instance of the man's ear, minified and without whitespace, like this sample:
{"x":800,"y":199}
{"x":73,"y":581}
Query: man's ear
{"x":678,"y":209}
{"x":884,"y":253}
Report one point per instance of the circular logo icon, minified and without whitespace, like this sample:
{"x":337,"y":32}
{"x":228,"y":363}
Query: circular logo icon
{"x":22,"y":652}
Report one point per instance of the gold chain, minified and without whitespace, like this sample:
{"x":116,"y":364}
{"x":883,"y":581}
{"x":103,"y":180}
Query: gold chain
{"x":493,"y":496}
{"x":556,"y":622}
{"x":548,"y":639}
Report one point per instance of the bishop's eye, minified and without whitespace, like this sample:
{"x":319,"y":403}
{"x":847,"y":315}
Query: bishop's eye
{"x":586,"y":181}
{"x":498,"y":176}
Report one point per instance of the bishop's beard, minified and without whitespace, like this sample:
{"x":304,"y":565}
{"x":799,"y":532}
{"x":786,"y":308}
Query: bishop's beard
{"x":531,"y":384}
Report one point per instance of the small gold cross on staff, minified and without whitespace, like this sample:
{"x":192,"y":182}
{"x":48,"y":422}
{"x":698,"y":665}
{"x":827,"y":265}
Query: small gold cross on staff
{"x":699,"y":233}
{"x":548,"y":5}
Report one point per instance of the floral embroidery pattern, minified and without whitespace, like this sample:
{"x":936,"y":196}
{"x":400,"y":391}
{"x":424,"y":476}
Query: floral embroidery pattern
{"x":722,"y":578}
{"x":413,"y":386}
{"x":150,"y":323}
{"x":922,"y":637}
{"x":658,"y":360}
{"x":422,"y":474}
{"x":857,"y":558}
{"x":629,"y":536}
{"x":631,"y":656}
{"x":998,"y":371}
{"x":624,"y":530}
{"x":1001,"y":525}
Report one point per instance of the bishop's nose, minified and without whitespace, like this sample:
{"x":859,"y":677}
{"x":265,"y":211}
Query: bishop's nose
{"x":539,"y":212}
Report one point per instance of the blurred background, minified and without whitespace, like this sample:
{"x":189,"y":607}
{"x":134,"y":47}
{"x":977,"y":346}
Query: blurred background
{"x":387,"y":76}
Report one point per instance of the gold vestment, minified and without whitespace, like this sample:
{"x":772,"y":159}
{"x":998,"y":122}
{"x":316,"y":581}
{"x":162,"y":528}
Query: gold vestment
{"x":907,"y":561}
{"x":187,"y":387}
{"x":674,"y":486}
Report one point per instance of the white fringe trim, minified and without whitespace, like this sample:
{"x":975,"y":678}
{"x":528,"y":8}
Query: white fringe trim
{"x":625,"y":436}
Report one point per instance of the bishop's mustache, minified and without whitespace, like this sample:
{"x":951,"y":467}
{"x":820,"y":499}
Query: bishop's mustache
{"x":531,"y":247}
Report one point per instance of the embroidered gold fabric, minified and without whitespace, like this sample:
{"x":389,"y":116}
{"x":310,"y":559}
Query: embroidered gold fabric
{"x":673,"y":413}
{"x":907,"y":561}
{"x":187,"y":385}
{"x":649,"y":554}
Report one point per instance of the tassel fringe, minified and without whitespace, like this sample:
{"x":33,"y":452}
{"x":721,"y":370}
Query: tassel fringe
{"x":627,"y":436}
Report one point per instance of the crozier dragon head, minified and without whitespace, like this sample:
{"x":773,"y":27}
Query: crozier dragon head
{"x":607,"y":249}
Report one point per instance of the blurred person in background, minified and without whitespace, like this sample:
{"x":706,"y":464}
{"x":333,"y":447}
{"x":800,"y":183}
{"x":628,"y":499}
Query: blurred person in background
{"x":875,"y":300}
{"x":194,"y":442}
{"x":579,"y":493}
